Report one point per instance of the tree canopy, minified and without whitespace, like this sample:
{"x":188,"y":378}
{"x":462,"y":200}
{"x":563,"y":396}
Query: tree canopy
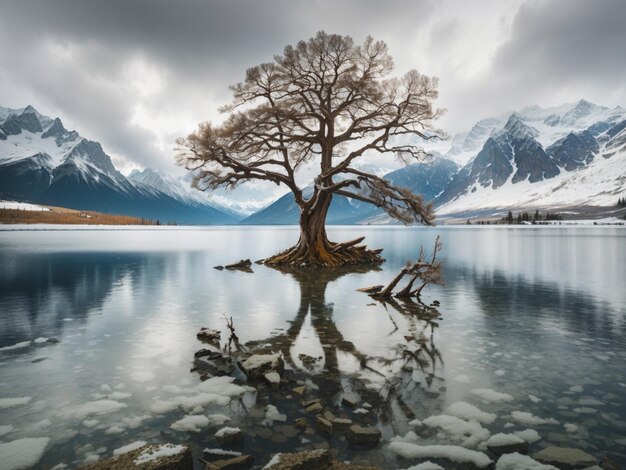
{"x":324,"y":100}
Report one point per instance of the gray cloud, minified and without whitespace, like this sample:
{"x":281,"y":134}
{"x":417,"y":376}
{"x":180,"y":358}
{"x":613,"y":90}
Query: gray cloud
{"x":135,"y":75}
{"x":563,"y":50}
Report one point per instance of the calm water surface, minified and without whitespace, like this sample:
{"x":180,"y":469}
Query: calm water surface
{"x":535,"y":313}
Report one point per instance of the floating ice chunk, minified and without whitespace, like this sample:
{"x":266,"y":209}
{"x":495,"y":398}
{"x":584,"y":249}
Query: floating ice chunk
{"x":115,"y":429}
{"x":502,"y":439}
{"x":11,"y":402}
{"x":129,"y":448}
{"x":5,"y":429}
{"x":22,"y":453}
{"x":97,"y":407}
{"x":428,"y":465}
{"x":190,"y":423}
{"x":571,"y":428}
{"x":518,"y":461}
{"x":464,"y":410}
{"x":120,"y":395}
{"x":272,"y":414}
{"x":40,"y":340}
{"x":164,"y":450}
{"x":491,"y":395}
{"x":361,"y":411}
{"x":217,"y":419}
{"x":590,"y":402}
{"x":215,"y":391}
{"x":585,"y":410}
{"x":409,"y":437}
{"x":189,"y":402}
{"x":529,"y":435}
{"x":576,"y":389}
{"x":534,"y":399}
{"x":529,"y":419}
{"x":60,"y":466}
{"x":416,"y":422}
{"x":464,"y":379}
{"x":452,"y":453}
{"x":500,"y":372}
{"x":91,"y":423}
{"x":226,"y":430}
{"x":23,"y":344}
{"x":466,"y":433}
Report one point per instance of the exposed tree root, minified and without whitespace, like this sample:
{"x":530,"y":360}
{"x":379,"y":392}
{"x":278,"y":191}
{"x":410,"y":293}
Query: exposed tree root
{"x":326,"y":254}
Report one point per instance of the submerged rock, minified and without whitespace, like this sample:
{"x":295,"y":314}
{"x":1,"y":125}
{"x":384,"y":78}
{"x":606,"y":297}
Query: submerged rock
{"x":363,"y":435}
{"x":324,"y":425}
{"x":235,"y":463}
{"x":565,"y":457}
{"x":208,"y":335}
{"x":314,"y":459}
{"x":257,"y":365}
{"x":149,"y":457}
{"x":227,"y":436}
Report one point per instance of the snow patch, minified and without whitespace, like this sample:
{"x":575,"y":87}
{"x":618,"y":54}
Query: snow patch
{"x":501,"y":440}
{"x":12,"y":402}
{"x":466,"y":411}
{"x":518,"y":461}
{"x":129,"y":448}
{"x":466,"y":433}
{"x":164,"y":450}
{"x":22,"y":453}
{"x":528,"y":435}
{"x":529,"y":419}
{"x":491,"y":395}
{"x":452,"y":453}
{"x":428,"y":465}
{"x":190,"y":423}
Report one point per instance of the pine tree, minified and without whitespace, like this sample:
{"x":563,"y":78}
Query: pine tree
{"x":509,"y":217}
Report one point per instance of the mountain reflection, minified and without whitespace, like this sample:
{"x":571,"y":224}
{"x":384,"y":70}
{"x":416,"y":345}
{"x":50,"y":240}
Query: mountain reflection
{"x":502,"y":297}
{"x":40,"y":292}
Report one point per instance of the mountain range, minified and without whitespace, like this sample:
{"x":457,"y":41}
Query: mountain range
{"x":558,"y":158}
{"x":42,"y":162}
{"x":547,"y":158}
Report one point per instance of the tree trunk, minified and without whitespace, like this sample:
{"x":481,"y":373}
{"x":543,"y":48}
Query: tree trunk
{"x":314,"y":248}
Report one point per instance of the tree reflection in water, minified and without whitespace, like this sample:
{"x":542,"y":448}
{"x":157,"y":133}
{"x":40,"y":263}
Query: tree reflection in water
{"x":389,"y":379}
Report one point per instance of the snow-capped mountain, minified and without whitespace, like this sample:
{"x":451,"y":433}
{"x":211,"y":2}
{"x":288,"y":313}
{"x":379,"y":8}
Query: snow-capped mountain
{"x":570,"y":155}
{"x":42,"y":162}
{"x":548,"y":158}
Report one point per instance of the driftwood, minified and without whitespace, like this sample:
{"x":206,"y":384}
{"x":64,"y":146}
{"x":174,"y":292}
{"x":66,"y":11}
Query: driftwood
{"x":241,"y":265}
{"x":423,"y":270}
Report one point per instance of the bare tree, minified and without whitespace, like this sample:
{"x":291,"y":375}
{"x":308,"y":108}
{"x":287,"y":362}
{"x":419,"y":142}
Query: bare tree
{"x":325,"y":100}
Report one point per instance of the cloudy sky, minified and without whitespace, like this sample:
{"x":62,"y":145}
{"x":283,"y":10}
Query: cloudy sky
{"x":135,"y":75}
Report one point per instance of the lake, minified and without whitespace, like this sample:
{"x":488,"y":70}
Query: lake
{"x":530,"y":330}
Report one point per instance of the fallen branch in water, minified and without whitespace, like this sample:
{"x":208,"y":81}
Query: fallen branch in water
{"x":426,"y":271}
{"x":233,"y":338}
